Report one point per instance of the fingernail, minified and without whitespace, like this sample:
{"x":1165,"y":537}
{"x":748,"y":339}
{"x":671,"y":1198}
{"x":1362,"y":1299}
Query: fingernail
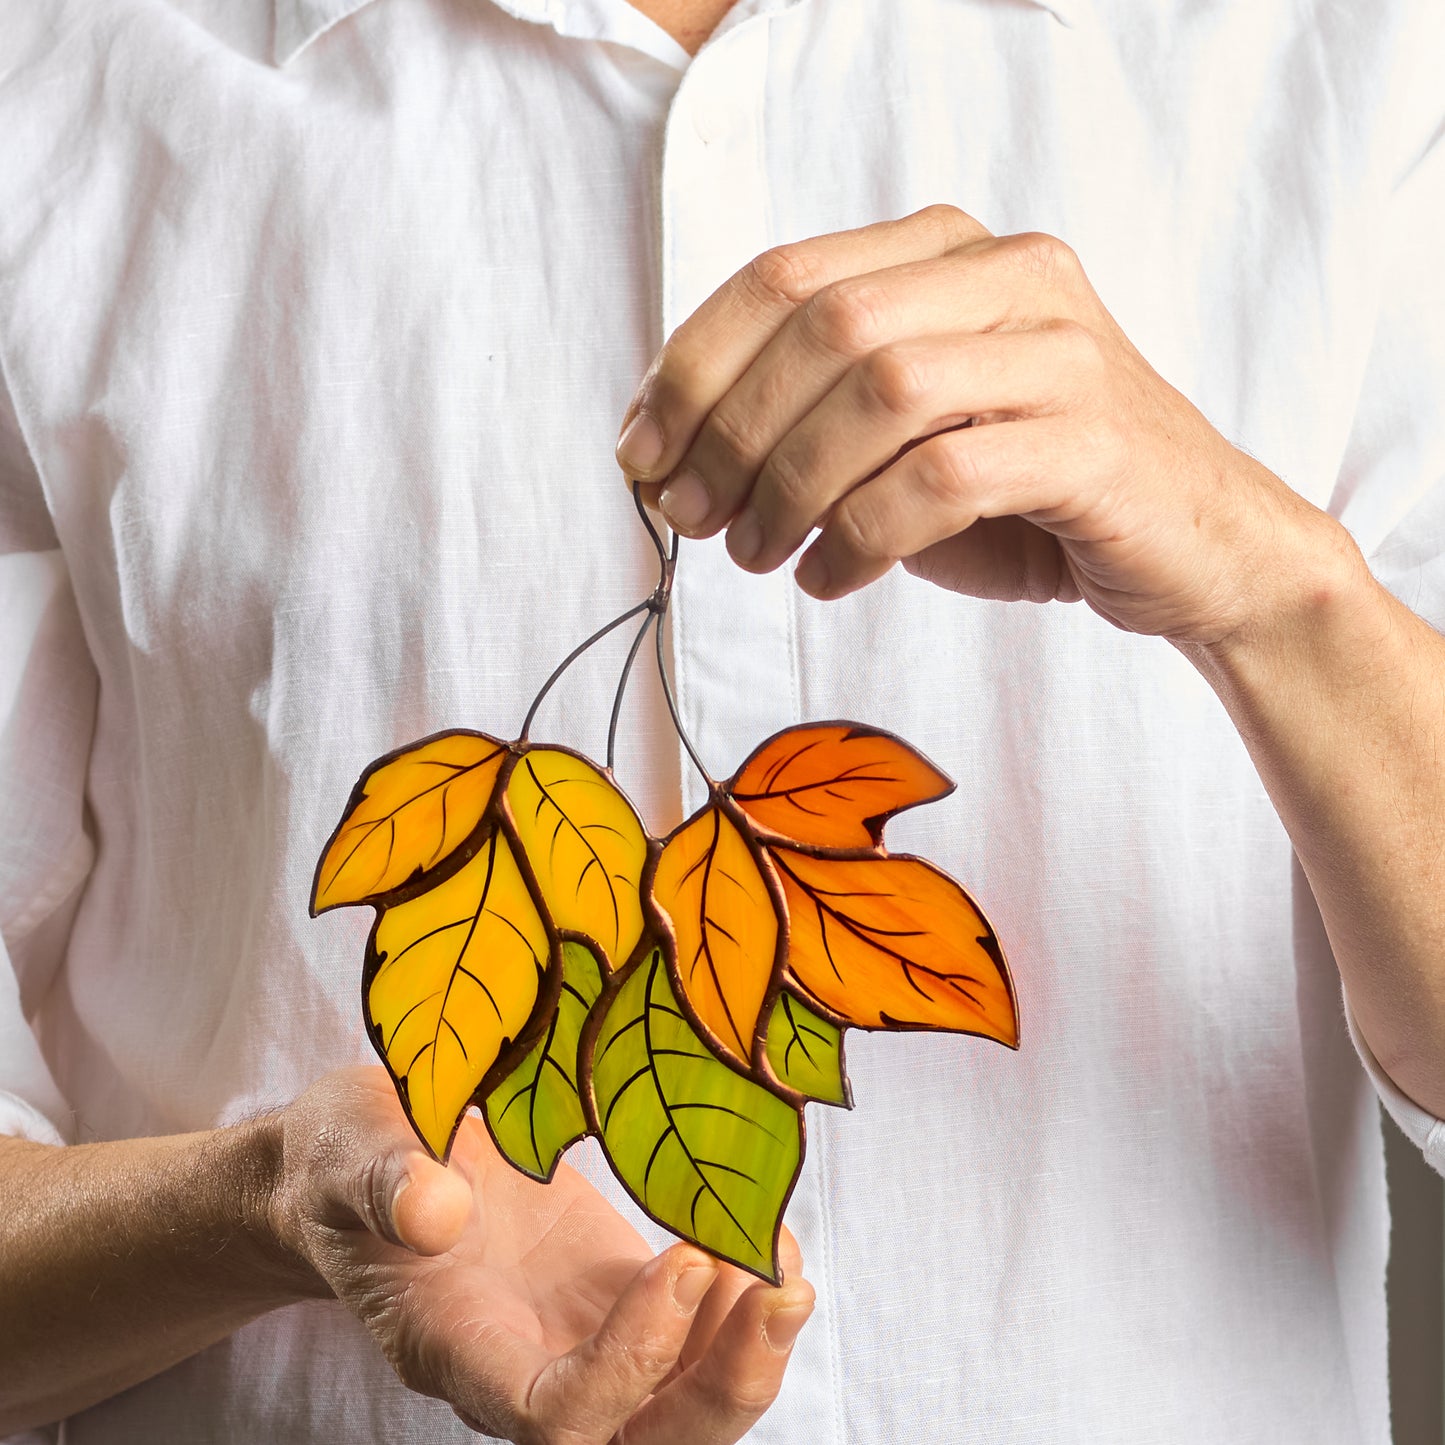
{"x":640,"y":446}
{"x":691,"y":1285}
{"x":745,"y":538}
{"x":781,"y":1327}
{"x":388,"y":1222}
{"x":685,"y":501}
{"x":812,"y":574}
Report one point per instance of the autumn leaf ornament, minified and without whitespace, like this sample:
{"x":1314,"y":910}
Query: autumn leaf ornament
{"x":538,"y":954}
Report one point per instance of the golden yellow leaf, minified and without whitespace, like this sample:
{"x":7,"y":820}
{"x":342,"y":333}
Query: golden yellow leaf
{"x":585,"y":845}
{"x":452,"y":978}
{"x":410,"y":812}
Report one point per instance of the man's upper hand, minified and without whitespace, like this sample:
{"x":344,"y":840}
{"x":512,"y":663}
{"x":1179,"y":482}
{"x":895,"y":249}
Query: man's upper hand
{"x":927,"y":392}
{"x":534,"y":1310}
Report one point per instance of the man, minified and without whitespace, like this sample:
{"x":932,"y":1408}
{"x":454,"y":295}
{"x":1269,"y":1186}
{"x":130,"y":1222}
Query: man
{"x":318,"y":322}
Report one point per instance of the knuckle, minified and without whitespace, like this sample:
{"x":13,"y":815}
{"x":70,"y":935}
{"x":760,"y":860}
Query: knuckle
{"x":753,"y":1396}
{"x":372,"y":1181}
{"x":1101,"y":449}
{"x":786,"y":275}
{"x":329,"y":1146}
{"x":1078,"y":343}
{"x":899,"y":379}
{"x":847,"y":317}
{"x":955,"y":224}
{"x":744,"y":1393}
{"x":729,"y":434}
{"x":648,"y":1358}
{"x":783,"y":482}
{"x":859,"y":532}
{"x":1041,"y":255}
{"x":942,"y":213}
{"x":680,"y":376}
{"x":943,"y":471}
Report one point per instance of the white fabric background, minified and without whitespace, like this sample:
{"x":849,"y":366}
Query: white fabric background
{"x":317,"y":324}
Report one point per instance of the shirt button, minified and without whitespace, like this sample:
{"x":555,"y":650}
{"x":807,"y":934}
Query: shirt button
{"x":710,"y":118}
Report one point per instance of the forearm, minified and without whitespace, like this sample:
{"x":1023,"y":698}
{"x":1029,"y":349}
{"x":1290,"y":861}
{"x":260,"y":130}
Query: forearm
{"x":119,"y":1259}
{"x":1339,"y":694}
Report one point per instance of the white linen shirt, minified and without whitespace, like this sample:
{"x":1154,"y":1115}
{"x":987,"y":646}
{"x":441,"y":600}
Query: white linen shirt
{"x":317,"y":324}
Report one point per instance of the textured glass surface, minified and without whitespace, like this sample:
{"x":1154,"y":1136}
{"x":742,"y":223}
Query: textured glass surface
{"x":539,"y":955}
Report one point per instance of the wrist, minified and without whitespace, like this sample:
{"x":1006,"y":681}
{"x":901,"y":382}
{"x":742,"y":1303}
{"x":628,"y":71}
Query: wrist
{"x":246,"y":1162}
{"x":1310,"y":601}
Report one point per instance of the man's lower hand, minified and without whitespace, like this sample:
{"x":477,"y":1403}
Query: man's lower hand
{"x":534,"y":1310}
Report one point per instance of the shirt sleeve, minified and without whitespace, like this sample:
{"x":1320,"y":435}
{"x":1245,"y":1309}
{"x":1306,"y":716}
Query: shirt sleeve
{"x":1419,"y":1126}
{"x":47,"y":714}
{"x":1391,"y":489}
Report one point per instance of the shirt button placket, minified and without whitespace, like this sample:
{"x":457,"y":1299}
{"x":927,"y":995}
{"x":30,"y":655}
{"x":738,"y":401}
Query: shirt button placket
{"x":734,"y":659}
{"x":732,"y":645}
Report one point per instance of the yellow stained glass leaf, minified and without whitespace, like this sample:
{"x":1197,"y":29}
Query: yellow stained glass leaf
{"x":452,"y":979}
{"x":725,"y":920}
{"x":410,"y":812}
{"x":894,"y":943}
{"x":585,"y":845}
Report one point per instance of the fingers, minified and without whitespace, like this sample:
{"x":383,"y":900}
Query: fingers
{"x":938,"y":489}
{"x":717,"y":1399}
{"x":730,"y":1285}
{"x":894,"y":396}
{"x":430,"y":1207}
{"x":1001,"y":559}
{"x":610,"y":1388}
{"x":709,"y":352}
{"x":586,"y":1395}
{"x":842,"y":326}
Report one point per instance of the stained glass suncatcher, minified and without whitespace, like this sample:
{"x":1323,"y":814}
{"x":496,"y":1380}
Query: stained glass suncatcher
{"x":539,"y":954}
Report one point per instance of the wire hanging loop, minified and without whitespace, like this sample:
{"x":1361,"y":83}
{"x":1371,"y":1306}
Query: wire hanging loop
{"x":666,"y":681}
{"x":655,"y":607}
{"x":661,"y":601}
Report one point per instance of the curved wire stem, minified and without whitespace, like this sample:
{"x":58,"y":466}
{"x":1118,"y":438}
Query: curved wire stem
{"x":622,"y":684}
{"x":663,"y":561}
{"x":667,"y":681}
{"x":655,"y":606}
{"x":645,"y":606}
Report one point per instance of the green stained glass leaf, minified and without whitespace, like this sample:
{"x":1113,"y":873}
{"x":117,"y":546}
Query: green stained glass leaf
{"x":707,"y":1152}
{"x":805,"y":1052}
{"x":535,"y":1113}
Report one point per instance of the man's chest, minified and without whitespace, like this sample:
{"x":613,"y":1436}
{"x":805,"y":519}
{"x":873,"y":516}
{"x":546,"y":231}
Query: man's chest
{"x":340,"y":353}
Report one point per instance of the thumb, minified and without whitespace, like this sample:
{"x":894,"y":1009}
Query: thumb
{"x":405,"y":1197}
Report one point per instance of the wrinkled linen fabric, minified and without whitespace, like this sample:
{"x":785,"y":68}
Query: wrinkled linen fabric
{"x":317,"y":324}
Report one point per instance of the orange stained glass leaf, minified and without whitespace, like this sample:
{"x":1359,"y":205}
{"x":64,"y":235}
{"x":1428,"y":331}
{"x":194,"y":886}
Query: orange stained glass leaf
{"x":585,"y":845}
{"x":890,"y":942}
{"x":725,"y":920}
{"x":452,"y":979}
{"x":834,"y":785}
{"x":410,"y":812}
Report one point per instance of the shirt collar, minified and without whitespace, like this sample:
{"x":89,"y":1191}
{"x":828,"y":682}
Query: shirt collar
{"x":299,"y":22}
